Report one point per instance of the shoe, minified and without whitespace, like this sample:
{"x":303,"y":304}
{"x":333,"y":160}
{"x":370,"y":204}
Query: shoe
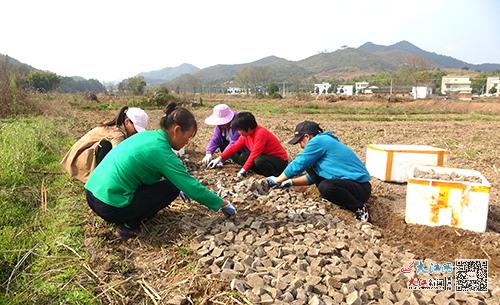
{"x":125,"y":232}
{"x":361,"y":214}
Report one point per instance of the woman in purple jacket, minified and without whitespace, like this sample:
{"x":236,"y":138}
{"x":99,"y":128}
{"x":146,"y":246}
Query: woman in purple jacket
{"x":223,"y":135}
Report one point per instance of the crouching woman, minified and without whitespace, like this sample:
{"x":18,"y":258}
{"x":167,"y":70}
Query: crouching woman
{"x":143,"y":175}
{"x":333,"y":167}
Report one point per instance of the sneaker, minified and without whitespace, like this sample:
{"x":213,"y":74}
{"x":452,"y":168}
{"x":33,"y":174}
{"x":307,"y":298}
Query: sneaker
{"x":125,"y":232}
{"x":361,"y":214}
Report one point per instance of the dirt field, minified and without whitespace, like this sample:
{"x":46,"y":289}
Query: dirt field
{"x":472,"y":144}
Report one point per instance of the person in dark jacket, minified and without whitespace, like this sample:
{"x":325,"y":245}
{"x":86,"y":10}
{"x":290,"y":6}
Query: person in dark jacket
{"x":333,"y":167}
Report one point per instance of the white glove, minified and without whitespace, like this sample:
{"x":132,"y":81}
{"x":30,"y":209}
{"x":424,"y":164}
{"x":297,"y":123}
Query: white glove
{"x":206,"y":159}
{"x":242,"y":173}
{"x":217,"y":162}
{"x":286,"y":183}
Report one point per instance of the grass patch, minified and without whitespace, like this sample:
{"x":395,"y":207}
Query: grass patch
{"x":376,"y":112}
{"x":40,"y":251}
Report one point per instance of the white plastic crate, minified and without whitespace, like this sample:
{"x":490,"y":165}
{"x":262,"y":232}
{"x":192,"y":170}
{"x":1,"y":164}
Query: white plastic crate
{"x":456,"y":203}
{"x":391,"y":162}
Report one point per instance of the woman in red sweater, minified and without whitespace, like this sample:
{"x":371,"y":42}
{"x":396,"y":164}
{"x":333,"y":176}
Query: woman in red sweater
{"x":266,"y":155}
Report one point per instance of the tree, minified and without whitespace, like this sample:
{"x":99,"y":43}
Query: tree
{"x":493,"y":89}
{"x":478,"y":83}
{"x":272,"y":88}
{"x":43,"y":81}
{"x":251,"y":77}
{"x":134,"y":85}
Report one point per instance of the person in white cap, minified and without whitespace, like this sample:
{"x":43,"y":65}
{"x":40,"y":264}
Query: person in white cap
{"x":90,"y":149}
{"x":223,"y":135}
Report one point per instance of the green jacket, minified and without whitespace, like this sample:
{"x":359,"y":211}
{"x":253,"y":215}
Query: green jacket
{"x":145,"y":158}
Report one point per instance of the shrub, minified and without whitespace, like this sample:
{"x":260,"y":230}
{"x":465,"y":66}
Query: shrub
{"x":163,"y":97}
{"x":13,"y":98}
{"x":276,"y":95}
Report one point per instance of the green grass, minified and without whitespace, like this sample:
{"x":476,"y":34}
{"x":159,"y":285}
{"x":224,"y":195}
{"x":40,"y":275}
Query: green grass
{"x":372,"y":113}
{"x":40,"y":252}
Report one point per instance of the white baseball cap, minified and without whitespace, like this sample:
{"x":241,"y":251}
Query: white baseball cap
{"x":138,"y":117}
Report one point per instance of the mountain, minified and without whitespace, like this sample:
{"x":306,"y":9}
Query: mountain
{"x":15,"y":65}
{"x":366,"y":59}
{"x":166,"y":74}
{"x":404,"y":49}
{"x":67,"y":84}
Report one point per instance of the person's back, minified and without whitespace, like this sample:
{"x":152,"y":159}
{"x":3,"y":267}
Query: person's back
{"x":80,"y":160}
{"x":91,"y":149}
{"x":129,"y":165}
{"x":338,"y":161}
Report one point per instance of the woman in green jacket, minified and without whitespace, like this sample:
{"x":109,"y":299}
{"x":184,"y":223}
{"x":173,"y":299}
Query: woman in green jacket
{"x":143,"y":175}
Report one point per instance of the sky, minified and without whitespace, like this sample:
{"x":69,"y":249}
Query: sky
{"x":110,"y":40}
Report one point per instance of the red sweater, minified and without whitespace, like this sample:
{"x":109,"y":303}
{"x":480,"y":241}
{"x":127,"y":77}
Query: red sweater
{"x":259,"y":141}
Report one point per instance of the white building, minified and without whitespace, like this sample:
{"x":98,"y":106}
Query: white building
{"x":369,"y":90}
{"x":322,"y":88}
{"x":456,"y":85}
{"x":345,"y":89}
{"x":421,"y":92}
{"x":493,"y":82}
{"x":234,"y":91}
{"x":360,"y":86}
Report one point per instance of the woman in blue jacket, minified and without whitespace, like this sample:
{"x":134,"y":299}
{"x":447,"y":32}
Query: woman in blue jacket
{"x":338,"y":173}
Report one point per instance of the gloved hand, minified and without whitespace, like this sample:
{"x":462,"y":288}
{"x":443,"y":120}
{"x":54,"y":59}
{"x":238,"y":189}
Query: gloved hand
{"x":228,"y":209}
{"x":286,"y":183}
{"x":217,"y":162}
{"x":206,"y":159}
{"x":242,"y":173}
{"x":272,"y":180}
{"x":184,"y":197}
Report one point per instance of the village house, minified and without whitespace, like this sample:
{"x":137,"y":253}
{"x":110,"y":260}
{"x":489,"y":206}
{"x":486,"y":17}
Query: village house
{"x":345,"y":89}
{"x":234,"y":91}
{"x":322,"y":88}
{"x":493,"y":82}
{"x":360,"y":86}
{"x":421,"y":92}
{"x":457,"y":86}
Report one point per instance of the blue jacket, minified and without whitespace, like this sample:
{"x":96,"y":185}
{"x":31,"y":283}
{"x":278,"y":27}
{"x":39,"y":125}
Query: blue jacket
{"x":330,"y":159}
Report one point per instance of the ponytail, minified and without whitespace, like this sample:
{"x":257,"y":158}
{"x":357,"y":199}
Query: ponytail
{"x":178,"y":116}
{"x":119,"y":119}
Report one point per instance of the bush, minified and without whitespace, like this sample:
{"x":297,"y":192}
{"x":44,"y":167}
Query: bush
{"x":13,"y":98}
{"x":276,"y":95}
{"x":163,"y":97}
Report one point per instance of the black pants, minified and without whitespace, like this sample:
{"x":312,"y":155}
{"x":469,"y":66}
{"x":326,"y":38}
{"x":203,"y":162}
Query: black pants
{"x":348,"y":194}
{"x":236,"y":156}
{"x":102,"y":150}
{"x":148,"y":200}
{"x":264,"y":165}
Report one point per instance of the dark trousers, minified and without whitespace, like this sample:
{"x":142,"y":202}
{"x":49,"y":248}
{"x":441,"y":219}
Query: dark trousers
{"x":148,"y":200}
{"x":264,"y":165}
{"x":102,"y":150}
{"x":348,"y":194}
{"x":236,"y":156}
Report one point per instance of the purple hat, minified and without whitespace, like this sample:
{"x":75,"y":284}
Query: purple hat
{"x":221,"y":115}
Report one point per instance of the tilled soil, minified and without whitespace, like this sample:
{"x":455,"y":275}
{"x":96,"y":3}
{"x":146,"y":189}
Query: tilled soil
{"x":292,"y":247}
